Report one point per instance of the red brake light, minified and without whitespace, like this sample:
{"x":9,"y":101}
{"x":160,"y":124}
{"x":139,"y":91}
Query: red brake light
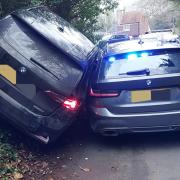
{"x":109,"y":94}
{"x":71,"y":104}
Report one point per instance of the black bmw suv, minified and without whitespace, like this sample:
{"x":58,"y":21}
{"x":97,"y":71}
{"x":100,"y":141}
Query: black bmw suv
{"x":42,"y":66}
{"x":135,"y":87}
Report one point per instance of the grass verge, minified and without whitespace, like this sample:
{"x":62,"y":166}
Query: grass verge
{"x":9,"y":159}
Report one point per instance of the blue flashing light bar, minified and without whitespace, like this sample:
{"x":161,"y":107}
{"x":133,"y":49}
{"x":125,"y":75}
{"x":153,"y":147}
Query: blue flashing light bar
{"x":132,"y":56}
{"x":145,"y":54}
{"x":112,"y":59}
{"x":135,"y":56}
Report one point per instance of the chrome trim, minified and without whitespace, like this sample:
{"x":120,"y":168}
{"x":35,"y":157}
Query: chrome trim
{"x":42,"y":139}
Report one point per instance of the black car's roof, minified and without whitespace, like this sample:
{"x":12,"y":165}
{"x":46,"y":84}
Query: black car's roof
{"x":137,"y":45}
{"x":57,"y":31}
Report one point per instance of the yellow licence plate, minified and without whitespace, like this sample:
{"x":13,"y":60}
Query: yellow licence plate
{"x":141,"y":96}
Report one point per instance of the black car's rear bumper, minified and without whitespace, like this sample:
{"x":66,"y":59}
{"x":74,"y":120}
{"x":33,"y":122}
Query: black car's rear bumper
{"x":104,"y":122}
{"x":44,"y":128}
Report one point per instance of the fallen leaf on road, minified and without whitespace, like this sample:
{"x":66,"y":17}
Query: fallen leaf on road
{"x":64,"y":166}
{"x":85,"y":169}
{"x":75,"y":174}
{"x":44,"y":164}
{"x":18,"y":176}
{"x":50,"y":179}
{"x":113,"y":168}
{"x":64,"y":178}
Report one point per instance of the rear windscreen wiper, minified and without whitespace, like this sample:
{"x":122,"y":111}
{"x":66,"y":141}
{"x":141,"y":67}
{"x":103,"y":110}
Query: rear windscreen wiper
{"x":138,"y":72}
{"x":167,"y":62}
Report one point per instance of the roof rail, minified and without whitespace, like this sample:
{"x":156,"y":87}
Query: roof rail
{"x":161,"y":30}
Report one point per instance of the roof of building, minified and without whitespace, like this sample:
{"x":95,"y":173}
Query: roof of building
{"x":132,"y":17}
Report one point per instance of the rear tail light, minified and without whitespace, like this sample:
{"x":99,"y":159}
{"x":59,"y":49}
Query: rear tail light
{"x":70,"y":103}
{"x":99,"y":94}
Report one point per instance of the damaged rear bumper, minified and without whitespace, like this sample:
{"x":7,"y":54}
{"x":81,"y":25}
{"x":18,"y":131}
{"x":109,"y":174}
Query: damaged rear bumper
{"x":44,"y":128}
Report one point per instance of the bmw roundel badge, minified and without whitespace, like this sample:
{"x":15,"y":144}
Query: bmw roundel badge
{"x":22,"y":70}
{"x":148,"y":82}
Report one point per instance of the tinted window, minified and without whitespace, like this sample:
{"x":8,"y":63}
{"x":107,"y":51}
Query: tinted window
{"x":135,"y":65}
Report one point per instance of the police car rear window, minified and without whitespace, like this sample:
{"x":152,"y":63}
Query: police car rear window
{"x":142,"y":63}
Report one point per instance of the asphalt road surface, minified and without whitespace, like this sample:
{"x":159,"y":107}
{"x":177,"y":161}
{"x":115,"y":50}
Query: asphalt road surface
{"x":81,"y":155}
{"x":128,"y":157}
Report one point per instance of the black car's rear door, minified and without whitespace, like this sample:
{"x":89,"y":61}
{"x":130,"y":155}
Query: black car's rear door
{"x":39,"y":64}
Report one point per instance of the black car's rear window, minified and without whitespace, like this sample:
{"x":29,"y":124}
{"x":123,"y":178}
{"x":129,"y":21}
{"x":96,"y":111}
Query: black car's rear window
{"x":72,"y":37}
{"x":155,"y":62}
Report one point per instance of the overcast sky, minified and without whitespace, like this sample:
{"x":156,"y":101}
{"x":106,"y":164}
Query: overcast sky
{"x":127,"y":4}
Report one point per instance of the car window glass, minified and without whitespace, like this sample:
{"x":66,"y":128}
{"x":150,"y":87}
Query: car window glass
{"x":158,"y":64}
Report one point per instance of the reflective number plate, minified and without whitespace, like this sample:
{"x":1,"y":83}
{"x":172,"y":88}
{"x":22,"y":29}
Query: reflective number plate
{"x":141,"y":96}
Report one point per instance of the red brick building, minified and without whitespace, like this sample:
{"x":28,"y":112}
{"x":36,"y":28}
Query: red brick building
{"x":133,"y":24}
